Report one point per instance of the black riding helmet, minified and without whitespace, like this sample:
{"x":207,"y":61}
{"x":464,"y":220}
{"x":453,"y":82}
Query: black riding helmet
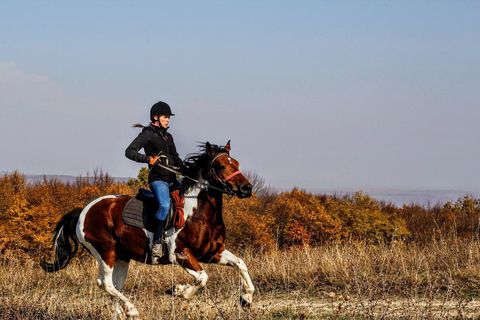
{"x":160,"y":108}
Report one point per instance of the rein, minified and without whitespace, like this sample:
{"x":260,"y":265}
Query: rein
{"x":230,"y":193}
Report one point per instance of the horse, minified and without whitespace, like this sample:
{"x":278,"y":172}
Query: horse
{"x":100,"y":230}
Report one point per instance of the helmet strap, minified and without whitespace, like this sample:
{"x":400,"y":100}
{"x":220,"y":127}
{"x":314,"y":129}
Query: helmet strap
{"x":156,"y":120}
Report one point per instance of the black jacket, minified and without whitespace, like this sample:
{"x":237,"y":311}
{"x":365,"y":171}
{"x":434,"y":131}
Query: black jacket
{"x":154,"y":140}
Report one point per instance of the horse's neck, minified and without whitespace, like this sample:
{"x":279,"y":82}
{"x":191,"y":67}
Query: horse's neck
{"x":202,"y":204}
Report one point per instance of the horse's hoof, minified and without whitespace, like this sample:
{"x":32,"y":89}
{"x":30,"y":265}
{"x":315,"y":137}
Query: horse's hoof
{"x":246,"y":301}
{"x":133,"y":316}
{"x":132,"y":313}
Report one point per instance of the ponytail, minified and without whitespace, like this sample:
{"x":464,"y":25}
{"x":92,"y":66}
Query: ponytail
{"x":138,"y":125}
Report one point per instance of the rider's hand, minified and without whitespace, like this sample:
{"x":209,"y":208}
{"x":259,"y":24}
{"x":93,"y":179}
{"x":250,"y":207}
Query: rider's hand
{"x":153,"y":160}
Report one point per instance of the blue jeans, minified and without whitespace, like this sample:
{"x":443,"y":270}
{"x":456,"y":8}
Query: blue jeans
{"x":161,"y":191}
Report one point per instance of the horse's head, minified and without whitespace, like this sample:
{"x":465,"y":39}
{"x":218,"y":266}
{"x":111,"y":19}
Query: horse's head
{"x":224,"y":171}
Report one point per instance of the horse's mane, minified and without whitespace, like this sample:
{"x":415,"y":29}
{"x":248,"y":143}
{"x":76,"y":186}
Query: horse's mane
{"x":196,"y":162}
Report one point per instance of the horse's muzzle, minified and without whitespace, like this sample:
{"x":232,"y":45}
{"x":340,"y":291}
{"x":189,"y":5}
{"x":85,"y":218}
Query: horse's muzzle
{"x":245,"y":191}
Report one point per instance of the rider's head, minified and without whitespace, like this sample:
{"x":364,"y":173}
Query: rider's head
{"x":160,"y":114}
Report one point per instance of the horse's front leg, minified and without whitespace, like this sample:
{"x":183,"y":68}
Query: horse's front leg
{"x":229,"y":259}
{"x":186,"y":259}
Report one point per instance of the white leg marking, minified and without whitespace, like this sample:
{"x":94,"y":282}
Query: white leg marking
{"x":188,"y":290}
{"x":229,"y":259}
{"x":109,"y":287}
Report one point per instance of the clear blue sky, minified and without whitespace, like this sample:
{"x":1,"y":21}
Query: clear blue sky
{"x":314,"y":94}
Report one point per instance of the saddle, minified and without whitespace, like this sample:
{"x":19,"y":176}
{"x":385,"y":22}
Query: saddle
{"x":140,"y":211}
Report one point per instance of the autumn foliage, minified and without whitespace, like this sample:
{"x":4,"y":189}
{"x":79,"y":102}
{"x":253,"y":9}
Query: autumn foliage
{"x":29,"y":211}
{"x":267,"y":220}
{"x":298,"y":218}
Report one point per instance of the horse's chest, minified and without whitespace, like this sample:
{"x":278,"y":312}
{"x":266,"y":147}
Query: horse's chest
{"x":200,"y":236}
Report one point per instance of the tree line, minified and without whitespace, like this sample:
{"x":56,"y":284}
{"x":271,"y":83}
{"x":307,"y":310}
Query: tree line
{"x":268,"y":220}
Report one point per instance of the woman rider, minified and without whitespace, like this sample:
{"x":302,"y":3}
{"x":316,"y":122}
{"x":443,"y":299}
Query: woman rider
{"x":159,"y":147}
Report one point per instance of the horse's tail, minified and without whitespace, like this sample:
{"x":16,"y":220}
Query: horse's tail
{"x":65,"y":231}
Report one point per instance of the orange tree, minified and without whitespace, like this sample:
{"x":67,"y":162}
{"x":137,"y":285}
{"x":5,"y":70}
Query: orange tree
{"x":247,"y":224}
{"x":300,"y":219}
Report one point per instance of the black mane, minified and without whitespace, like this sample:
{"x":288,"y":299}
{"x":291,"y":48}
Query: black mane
{"x":198,"y":163}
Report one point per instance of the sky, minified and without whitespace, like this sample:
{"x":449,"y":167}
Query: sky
{"x":312,"y":94}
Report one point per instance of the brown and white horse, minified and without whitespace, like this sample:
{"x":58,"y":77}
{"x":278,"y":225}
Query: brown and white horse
{"x":99,"y":228}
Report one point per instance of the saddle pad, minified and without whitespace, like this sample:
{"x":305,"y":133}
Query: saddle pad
{"x":133,"y":214}
{"x":140,"y":211}
{"x":136,"y":215}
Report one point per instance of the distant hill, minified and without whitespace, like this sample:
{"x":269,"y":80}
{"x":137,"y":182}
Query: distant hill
{"x":32,"y":178}
{"x":399,"y":197}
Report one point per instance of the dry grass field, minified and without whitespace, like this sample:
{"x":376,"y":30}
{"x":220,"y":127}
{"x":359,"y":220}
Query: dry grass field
{"x":440,"y":280}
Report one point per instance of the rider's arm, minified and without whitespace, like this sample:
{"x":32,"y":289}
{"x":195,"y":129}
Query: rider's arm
{"x":132,"y":152}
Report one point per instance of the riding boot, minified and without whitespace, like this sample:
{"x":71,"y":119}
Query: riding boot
{"x":158,"y":244}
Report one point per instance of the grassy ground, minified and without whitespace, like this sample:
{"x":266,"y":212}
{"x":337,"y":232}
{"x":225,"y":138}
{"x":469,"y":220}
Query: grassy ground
{"x":440,"y":280}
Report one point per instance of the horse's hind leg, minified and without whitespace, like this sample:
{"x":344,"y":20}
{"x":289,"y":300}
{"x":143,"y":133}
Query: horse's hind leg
{"x":106,"y":276}
{"x":229,"y":259}
{"x":109,"y":286}
{"x":120,"y":271}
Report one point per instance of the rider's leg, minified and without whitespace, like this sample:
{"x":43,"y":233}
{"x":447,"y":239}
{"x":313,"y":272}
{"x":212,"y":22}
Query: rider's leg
{"x":161,"y":190}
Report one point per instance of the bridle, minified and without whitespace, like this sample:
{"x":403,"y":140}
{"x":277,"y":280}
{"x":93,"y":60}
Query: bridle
{"x":226,"y":188}
{"x":215,"y":176}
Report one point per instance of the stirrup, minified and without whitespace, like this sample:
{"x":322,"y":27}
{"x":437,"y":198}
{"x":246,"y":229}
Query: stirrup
{"x":157,"y":251}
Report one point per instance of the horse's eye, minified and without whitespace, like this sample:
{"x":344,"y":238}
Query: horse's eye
{"x":220,"y":167}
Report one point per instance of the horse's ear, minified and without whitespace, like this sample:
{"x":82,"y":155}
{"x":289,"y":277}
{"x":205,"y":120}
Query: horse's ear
{"x":209,"y":149}
{"x":227,"y":146}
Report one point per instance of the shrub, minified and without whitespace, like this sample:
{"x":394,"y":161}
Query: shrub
{"x":300,"y":219}
{"x":363,"y":219}
{"x":248,"y":224}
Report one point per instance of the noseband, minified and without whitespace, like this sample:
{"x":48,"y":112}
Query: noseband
{"x":223,"y":181}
